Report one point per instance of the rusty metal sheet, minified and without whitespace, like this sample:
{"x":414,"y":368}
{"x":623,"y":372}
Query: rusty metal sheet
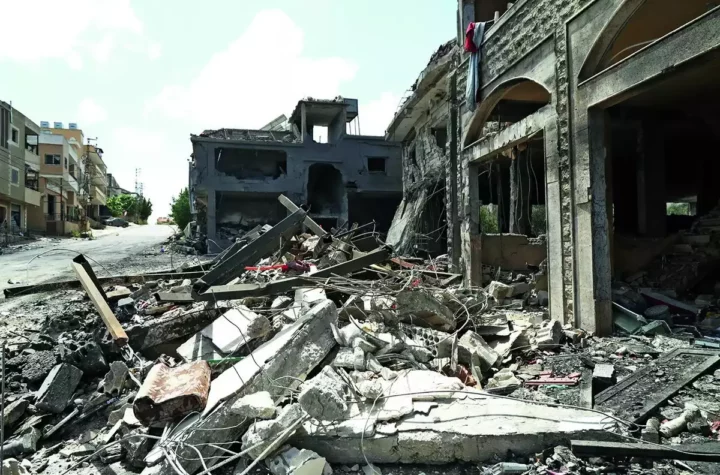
{"x":169,"y":394}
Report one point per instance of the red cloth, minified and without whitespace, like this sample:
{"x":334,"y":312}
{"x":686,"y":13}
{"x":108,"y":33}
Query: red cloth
{"x":469,"y":34}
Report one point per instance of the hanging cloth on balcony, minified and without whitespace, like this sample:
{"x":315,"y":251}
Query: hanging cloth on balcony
{"x":473,"y":42}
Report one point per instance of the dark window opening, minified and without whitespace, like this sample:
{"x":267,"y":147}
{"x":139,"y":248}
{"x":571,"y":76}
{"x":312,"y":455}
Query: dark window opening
{"x":376,"y":164}
{"x":441,"y":137}
{"x":325,"y":190}
{"x":51,"y":159}
{"x":15,"y":135}
{"x":14,"y":176}
{"x":431,"y":235}
{"x":245,"y":164}
{"x":511,"y":190}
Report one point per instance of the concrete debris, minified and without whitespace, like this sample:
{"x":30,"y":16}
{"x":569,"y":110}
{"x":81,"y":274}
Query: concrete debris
{"x":474,"y":351}
{"x":549,"y":335}
{"x":263,"y":433}
{"x":324,"y":396}
{"x":421,"y":308}
{"x":255,"y":406}
{"x":14,"y":412}
{"x":418,"y":366}
{"x":115,"y":379}
{"x":291,"y":461}
{"x":57,"y":390}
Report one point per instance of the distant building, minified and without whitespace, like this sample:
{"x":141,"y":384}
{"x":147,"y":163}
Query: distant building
{"x":19,"y":170}
{"x":313,"y":158}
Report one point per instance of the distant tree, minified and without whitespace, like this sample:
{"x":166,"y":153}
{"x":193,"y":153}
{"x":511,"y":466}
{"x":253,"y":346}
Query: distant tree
{"x":121,"y":205}
{"x":180,"y":209}
{"x":679,"y":209}
{"x":144,"y":208}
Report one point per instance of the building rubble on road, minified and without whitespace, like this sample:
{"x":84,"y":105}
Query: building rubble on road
{"x":298,"y":350}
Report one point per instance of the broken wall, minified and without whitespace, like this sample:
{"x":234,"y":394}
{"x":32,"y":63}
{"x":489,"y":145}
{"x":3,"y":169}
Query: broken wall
{"x":255,"y":173}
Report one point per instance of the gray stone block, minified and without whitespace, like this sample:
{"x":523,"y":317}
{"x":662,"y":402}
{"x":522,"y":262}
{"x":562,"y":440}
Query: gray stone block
{"x":56,"y":391}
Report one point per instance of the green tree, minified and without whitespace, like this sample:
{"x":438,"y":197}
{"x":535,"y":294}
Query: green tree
{"x":144,"y":208}
{"x":180,"y":209}
{"x":121,"y":204}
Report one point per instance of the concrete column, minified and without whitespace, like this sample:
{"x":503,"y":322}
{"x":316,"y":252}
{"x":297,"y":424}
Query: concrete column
{"x":466,"y":14}
{"x":211,"y":220}
{"x":502,"y":179}
{"x":519,"y":193}
{"x":304,"y":125}
{"x":652,"y":201}
{"x":453,"y":211}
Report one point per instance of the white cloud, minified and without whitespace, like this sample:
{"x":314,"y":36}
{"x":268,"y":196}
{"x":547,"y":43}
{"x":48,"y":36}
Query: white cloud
{"x":257,"y":77}
{"x":377,"y":114}
{"x":89,"y":112}
{"x":154,"y":51}
{"x":65,"y":30}
{"x":101,"y":51}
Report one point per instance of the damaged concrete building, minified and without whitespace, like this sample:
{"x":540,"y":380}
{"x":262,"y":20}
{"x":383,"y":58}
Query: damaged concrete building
{"x":316,"y":158}
{"x":593,"y":117}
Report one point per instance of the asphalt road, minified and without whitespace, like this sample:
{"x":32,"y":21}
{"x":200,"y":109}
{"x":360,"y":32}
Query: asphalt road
{"x":117,"y":250}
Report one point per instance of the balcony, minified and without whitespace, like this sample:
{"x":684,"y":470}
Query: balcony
{"x":33,"y":197}
{"x":98,"y":196}
{"x":32,"y":159}
{"x":99,"y":179}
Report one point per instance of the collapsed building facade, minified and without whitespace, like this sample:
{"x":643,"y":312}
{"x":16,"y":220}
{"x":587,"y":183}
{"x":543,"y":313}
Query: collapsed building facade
{"x":237,"y":175}
{"x":591,"y":117}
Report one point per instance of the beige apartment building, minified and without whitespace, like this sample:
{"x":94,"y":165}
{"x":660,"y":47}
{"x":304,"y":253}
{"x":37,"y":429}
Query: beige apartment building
{"x":19,"y":169}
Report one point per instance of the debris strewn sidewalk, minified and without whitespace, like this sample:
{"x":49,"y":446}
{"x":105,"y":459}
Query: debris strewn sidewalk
{"x":304,"y":354}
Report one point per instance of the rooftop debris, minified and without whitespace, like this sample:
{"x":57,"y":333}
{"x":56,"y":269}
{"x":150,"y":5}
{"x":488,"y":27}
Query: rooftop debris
{"x":303,"y":351}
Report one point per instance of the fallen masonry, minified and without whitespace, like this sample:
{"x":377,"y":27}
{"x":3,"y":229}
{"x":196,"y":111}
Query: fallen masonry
{"x":317,"y":357}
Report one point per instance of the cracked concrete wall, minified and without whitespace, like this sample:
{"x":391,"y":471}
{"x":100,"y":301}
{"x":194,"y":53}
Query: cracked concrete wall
{"x":425,"y":157}
{"x":526,"y":28}
{"x":568,"y":31}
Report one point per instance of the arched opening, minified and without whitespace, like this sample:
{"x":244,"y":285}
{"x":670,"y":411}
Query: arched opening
{"x":326,"y":195}
{"x":507,"y":104}
{"x":636,"y":26}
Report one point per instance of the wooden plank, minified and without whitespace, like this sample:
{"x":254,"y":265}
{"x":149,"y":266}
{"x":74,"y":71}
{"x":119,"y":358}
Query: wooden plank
{"x":707,"y":452}
{"x":116,"y":330}
{"x":311,"y":225}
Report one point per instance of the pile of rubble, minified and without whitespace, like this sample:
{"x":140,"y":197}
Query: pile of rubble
{"x":308,"y":352}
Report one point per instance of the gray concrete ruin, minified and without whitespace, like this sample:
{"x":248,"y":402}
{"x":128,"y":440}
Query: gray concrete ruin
{"x":593,"y":116}
{"x":341,"y":176}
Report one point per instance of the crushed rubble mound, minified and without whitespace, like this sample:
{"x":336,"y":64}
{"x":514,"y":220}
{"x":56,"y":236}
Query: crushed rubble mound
{"x":301,"y":353}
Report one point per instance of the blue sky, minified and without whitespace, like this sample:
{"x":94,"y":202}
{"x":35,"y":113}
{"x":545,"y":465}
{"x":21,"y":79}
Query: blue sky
{"x":141,"y":76}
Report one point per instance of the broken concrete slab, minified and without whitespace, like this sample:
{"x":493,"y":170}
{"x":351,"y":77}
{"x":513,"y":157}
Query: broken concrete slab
{"x":498,"y":290}
{"x":262,"y":434}
{"x":278,"y":366}
{"x":235,"y":328}
{"x":473,"y":350}
{"x":255,"y":406}
{"x":291,"y":461}
{"x":603,"y":376}
{"x":466,"y":425}
{"x":114,"y":380}
{"x":549,"y":335}
{"x":324,"y":396}
{"x":13,"y":412}
{"x":176,"y":323}
{"x":419,"y":307}
{"x":56,"y":391}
